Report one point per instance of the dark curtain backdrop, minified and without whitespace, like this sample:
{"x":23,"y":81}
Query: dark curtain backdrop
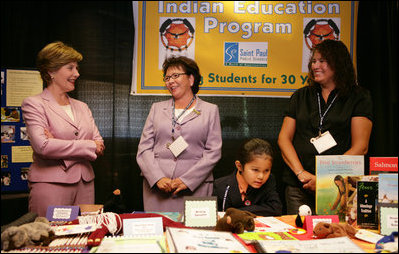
{"x":103,"y":32}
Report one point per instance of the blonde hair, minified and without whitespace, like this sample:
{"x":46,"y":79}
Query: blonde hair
{"x":53,"y":56}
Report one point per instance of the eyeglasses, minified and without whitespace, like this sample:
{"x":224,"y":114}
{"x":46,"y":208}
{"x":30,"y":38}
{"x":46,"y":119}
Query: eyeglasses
{"x":173,"y":76}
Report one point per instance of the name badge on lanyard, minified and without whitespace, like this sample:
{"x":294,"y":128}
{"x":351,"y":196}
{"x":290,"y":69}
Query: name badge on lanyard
{"x":179,"y":144}
{"x":325,"y":140}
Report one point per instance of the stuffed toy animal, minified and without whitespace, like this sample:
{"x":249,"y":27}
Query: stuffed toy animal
{"x":38,"y":232}
{"x":304,"y":210}
{"x":331,"y":230}
{"x":115,"y":203}
{"x":236,"y":221}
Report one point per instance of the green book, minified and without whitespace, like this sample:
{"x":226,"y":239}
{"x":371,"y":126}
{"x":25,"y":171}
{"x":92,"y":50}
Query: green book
{"x":251,"y":237}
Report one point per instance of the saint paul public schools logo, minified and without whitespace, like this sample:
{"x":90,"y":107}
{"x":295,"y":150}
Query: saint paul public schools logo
{"x":253,"y":54}
{"x":230,"y":53}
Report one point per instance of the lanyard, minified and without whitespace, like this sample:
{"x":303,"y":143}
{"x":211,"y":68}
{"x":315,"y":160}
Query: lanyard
{"x":225,"y":196}
{"x":325,"y":112}
{"x":174,"y":120}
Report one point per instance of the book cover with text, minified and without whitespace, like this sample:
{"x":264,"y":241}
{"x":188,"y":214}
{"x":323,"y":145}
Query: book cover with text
{"x":352,"y":196}
{"x":331,"y":186}
{"x":367,"y":204}
{"x":383,"y":165}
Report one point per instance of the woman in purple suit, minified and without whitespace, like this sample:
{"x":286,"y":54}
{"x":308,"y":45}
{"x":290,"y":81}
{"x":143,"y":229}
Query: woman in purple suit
{"x":181,"y":141}
{"x":63,"y":134}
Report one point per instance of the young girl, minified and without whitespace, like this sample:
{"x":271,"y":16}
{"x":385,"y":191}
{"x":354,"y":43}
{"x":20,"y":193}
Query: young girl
{"x":251,"y":187}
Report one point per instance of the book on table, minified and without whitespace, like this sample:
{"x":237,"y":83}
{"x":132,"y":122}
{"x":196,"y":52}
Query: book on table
{"x":351,"y":195}
{"x":328,"y":245}
{"x":203,"y":241}
{"x":383,"y":165}
{"x":388,"y":203}
{"x":129,"y":244}
{"x":332,"y":186}
{"x":140,"y":235}
{"x":366,"y":203}
{"x":252,"y":237}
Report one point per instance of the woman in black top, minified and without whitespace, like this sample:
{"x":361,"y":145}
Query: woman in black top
{"x":333,"y":105}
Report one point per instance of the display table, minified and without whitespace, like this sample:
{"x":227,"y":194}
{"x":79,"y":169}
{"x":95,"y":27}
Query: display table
{"x":94,"y":239}
{"x":289,"y":219}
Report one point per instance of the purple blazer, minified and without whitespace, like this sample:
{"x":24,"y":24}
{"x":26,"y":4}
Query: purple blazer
{"x":66,"y":157}
{"x":201,"y":130}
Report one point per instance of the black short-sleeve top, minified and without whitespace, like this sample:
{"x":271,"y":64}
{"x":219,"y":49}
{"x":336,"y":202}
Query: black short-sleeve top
{"x":304,"y":108}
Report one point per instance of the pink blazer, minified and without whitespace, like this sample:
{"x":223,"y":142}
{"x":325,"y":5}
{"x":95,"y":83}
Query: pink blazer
{"x":66,"y":157}
{"x":202,"y":131}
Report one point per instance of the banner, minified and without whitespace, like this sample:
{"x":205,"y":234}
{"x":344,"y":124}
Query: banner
{"x":243,"y":48}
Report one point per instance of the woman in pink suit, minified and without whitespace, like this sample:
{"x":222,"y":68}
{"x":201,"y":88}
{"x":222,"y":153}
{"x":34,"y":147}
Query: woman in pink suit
{"x":63,"y":135}
{"x":181,"y":141}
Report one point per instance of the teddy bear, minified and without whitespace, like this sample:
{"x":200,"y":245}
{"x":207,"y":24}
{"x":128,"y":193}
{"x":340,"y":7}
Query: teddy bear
{"x":38,"y":232}
{"x":331,"y":230}
{"x":236,"y":221}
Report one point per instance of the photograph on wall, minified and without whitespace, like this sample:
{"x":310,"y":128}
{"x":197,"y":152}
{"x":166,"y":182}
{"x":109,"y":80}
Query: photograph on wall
{"x":7,"y":133}
{"x":24,"y":173}
{"x":5,"y":178}
{"x":23,"y":133}
{"x":4,"y":161}
{"x":10,"y":114}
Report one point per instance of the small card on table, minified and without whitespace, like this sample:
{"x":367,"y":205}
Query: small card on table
{"x":62,"y":213}
{"x":143,"y":227}
{"x":311,"y":221}
{"x":200,"y":212}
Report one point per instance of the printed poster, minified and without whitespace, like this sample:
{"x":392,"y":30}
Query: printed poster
{"x":243,"y":48}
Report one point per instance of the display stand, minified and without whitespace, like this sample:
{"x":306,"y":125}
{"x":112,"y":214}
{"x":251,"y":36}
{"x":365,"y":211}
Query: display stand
{"x":16,"y":152}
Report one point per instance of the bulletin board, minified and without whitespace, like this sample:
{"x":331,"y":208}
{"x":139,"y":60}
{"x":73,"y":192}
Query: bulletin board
{"x":16,"y":151}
